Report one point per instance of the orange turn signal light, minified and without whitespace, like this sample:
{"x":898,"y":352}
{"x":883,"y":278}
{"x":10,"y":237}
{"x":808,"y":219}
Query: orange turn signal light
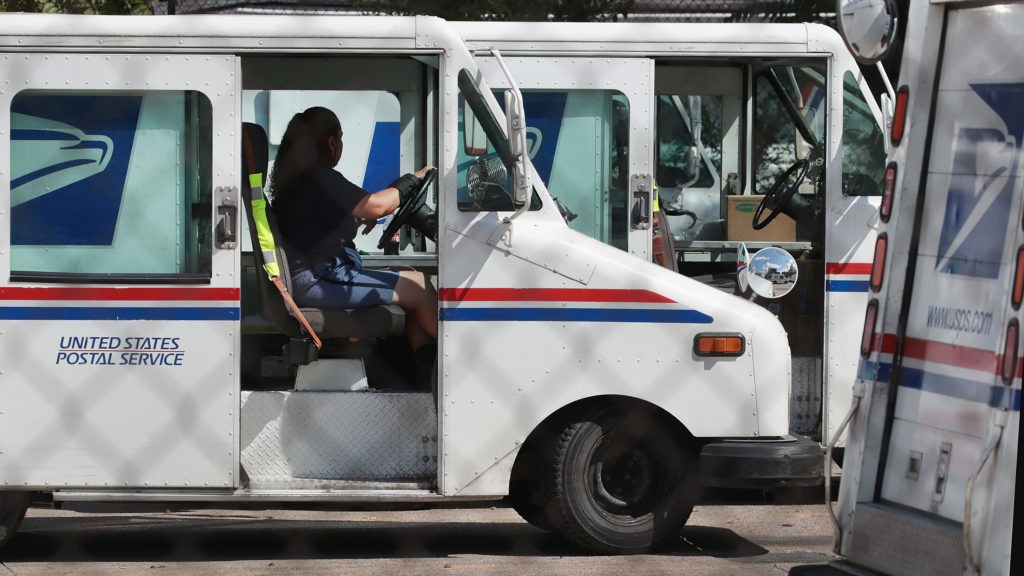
{"x":706,"y":344}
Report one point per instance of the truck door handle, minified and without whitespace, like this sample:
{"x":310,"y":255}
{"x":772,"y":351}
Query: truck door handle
{"x":226,"y":201}
{"x":640,"y":212}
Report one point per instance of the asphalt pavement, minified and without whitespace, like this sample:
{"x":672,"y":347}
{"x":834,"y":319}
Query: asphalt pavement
{"x":747,"y":534}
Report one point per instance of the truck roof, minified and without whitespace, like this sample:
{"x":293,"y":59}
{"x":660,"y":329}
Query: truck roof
{"x":223,"y":32}
{"x":609,"y":38}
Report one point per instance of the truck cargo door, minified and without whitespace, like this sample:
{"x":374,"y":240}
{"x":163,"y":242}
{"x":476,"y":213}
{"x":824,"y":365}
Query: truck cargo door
{"x":956,"y":370}
{"x":589,"y":124}
{"x":119,"y":284}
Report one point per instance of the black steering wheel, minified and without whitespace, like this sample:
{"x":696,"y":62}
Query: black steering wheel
{"x":780,"y":194}
{"x":407,"y":211}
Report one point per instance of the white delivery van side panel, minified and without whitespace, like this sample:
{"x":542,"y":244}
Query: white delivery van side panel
{"x":852,"y":226}
{"x":119,"y":316}
{"x":629,"y":326}
{"x":956,"y":323}
{"x":957,"y":223}
{"x":964,"y":266}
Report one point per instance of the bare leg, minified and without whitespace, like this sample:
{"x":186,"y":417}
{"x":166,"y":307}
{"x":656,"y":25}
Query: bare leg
{"x":417,"y":297}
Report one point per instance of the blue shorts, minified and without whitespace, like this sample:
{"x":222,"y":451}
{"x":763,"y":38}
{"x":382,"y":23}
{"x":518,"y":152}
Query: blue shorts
{"x":343,"y":283}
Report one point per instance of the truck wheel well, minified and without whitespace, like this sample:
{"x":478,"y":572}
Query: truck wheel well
{"x":531,"y":487}
{"x":569,"y":413}
{"x":542,"y":438}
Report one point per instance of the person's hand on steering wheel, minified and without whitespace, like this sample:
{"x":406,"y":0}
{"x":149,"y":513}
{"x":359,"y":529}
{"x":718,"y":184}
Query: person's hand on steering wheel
{"x":406,"y":185}
{"x":412,"y":192}
{"x":368,"y":225}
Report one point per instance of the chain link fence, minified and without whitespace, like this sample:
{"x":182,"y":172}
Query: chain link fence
{"x":608,"y":10}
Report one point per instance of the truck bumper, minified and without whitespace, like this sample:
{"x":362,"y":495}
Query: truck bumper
{"x":791,"y":461}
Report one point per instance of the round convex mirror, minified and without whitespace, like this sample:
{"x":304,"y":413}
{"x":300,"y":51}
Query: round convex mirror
{"x":868,"y":27}
{"x":772,"y":272}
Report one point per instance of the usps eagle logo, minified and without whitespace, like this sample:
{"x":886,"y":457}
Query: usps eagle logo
{"x":982,"y":181}
{"x":49,"y":155}
{"x":69,"y":164}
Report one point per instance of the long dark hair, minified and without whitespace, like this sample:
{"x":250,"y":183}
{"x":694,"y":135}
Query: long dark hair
{"x":303,"y":146}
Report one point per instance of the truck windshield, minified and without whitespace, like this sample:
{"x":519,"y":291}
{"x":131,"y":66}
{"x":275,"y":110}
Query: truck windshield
{"x":485,"y":161}
{"x":474,"y":98}
{"x":791,"y":112}
{"x":863,"y":143}
{"x":789,"y":122}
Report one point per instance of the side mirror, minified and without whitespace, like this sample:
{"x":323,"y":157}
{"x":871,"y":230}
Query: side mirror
{"x":517,"y":145}
{"x":868,"y":27}
{"x":770,"y":273}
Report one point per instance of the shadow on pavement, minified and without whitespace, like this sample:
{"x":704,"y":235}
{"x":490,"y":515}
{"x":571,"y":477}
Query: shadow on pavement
{"x":198,"y":537}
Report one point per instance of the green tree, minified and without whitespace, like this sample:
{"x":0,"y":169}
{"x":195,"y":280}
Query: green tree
{"x":529,"y":10}
{"x":78,"y":6}
{"x":821,"y":11}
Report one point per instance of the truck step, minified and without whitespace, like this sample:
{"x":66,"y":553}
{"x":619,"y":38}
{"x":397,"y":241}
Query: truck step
{"x":905,"y":542}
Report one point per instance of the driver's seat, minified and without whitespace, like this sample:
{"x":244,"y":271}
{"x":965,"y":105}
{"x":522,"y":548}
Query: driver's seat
{"x":370,"y":323}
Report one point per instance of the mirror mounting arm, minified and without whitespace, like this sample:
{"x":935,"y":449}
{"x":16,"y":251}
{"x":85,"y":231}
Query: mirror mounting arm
{"x":516,"y":127}
{"x":888,"y":102}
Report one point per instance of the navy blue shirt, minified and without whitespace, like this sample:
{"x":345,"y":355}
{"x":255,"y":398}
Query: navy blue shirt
{"x":315,"y":220}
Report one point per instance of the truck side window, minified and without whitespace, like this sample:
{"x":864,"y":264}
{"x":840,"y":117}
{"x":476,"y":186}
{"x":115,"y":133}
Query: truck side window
{"x":689,"y":163}
{"x":683,"y":162}
{"x":111,"y":184}
{"x":863,"y":145}
{"x":578,"y":141}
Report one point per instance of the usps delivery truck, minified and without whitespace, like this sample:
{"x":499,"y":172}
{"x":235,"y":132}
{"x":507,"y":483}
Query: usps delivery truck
{"x":150,"y":353}
{"x":755,"y":136}
{"x":931,"y":467}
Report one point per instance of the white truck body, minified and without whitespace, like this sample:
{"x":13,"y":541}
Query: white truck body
{"x":931,"y":465}
{"x":580,"y":79}
{"x":139,"y":363}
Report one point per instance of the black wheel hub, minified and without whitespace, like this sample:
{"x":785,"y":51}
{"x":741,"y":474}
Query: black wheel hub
{"x":624,"y":478}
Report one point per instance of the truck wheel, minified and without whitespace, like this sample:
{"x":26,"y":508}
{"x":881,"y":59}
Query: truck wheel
{"x":12,"y":509}
{"x":621,"y":482}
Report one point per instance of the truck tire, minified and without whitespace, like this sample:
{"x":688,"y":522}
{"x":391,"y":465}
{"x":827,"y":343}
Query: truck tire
{"x":12,"y":509}
{"x":621,"y":482}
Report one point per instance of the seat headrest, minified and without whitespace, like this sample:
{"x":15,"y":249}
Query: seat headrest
{"x":255,"y":150}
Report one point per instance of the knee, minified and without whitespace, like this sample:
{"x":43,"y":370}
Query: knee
{"x":413,"y":277}
{"x":413,"y":290}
